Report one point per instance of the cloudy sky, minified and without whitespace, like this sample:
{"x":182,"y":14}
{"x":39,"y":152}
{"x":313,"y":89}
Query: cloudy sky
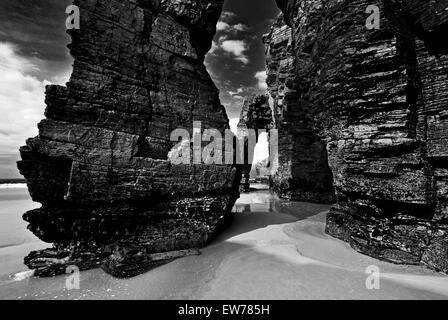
{"x":33,"y":54}
{"x":236,"y":61}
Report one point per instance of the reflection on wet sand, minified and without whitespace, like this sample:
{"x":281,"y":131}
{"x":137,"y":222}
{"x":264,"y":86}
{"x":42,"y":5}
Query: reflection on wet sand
{"x":273,"y":249}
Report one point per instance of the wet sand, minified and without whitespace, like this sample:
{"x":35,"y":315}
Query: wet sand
{"x":273,"y":250}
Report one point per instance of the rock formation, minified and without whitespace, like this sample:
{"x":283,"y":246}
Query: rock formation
{"x":100,"y":167}
{"x":378,"y":99}
{"x":361,"y":113}
{"x":256,"y":114}
{"x":303,"y":173}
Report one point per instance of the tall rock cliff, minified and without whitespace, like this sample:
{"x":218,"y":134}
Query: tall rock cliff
{"x":378,"y":99}
{"x":303,"y":174}
{"x":100,"y":167}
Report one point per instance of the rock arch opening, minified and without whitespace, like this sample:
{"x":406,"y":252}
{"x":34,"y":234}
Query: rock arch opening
{"x":369,"y":103}
{"x":273,"y":99}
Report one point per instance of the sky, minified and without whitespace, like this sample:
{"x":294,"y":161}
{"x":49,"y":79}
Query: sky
{"x":236,"y":61}
{"x":33,"y":54}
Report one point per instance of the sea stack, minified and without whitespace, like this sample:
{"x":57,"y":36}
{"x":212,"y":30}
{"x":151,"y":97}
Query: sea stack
{"x":110,"y":197}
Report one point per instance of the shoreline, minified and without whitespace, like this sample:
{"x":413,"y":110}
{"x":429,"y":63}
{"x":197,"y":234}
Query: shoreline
{"x":273,"y":249}
{"x":12,"y":181}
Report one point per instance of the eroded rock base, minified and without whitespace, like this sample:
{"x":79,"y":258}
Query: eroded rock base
{"x":125,"y":240}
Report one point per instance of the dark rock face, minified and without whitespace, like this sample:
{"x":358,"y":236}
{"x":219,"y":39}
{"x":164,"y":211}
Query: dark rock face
{"x":378,"y":98}
{"x":256,"y":114}
{"x":100,"y":163}
{"x":304,"y":174}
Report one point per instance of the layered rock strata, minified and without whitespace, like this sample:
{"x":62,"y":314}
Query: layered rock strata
{"x":303,"y":173}
{"x":378,"y":98}
{"x":100,"y":167}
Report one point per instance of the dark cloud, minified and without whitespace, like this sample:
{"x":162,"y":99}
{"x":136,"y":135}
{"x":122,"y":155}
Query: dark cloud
{"x":37,"y":29}
{"x":245,"y":23}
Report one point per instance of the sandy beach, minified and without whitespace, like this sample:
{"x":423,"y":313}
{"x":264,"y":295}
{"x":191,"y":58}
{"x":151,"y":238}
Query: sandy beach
{"x":273,"y":250}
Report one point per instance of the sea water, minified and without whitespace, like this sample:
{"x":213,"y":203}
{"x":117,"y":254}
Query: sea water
{"x":8,"y":167}
{"x":16,"y":241}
